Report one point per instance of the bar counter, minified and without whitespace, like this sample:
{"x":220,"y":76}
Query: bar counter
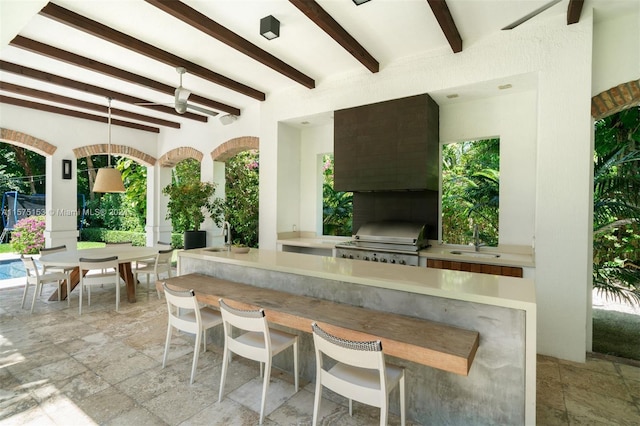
{"x":500,"y":386}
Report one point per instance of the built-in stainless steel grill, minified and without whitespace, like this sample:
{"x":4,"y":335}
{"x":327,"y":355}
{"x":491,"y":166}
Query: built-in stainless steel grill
{"x":385,"y":242}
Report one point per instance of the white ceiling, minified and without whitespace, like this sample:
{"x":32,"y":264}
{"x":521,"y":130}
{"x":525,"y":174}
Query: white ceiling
{"x":387,"y":29}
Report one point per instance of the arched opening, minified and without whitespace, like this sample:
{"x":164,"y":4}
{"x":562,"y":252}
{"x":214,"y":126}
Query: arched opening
{"x":114,"y":217}
{"x":240,"y":207}
{"x":615,"y":310}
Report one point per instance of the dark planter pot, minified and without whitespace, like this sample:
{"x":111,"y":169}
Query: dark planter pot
{"x":195,"y":239}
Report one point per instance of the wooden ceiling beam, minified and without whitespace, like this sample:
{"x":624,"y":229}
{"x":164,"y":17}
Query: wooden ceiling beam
{"x":444,"y":18}
{"x":89,"y":88}
{"x":79,"y":22}
{"x":73,"y":113}
{"x":213,"y":29}
{"x":41,"y":94}
{"x":111,"y":71}
{"x":321,"y":18}
{"x":573,"y":11}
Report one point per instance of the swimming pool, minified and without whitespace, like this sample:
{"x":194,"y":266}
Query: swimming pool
{"x":11,"y":268}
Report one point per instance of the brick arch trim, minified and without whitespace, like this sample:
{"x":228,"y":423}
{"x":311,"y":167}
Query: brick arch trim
{"x":233,"y":146}
{"x":616,"y":99}
{"x":176,"y":155}
{"x":29,"y":142}
{"x":119,"y":150}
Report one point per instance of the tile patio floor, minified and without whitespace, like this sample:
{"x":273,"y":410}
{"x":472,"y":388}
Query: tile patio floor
{"x":58,"y":368}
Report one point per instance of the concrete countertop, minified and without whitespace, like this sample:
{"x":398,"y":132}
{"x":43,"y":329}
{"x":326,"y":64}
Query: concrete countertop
{"x":508,"y":256}
{"x":324,"y":242}
{"x":510,"y":292}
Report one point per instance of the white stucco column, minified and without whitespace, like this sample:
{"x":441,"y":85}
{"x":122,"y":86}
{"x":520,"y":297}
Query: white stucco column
{"x":158,"y":228}
{"x":61,"y":202}
{"x":564,"y":198}
{"x":217,"y":239}
{"x":207,"y":175}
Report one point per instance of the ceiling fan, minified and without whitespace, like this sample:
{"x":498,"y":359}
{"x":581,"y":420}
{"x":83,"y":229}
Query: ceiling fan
{"x":531,"y":15}
{"x":181,"y":103}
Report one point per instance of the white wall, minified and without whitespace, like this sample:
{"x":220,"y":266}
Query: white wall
{"x":288,"y":191}
{"x":314,"y":141}
{"x":513,"y":119}
{"x":616,"y":49}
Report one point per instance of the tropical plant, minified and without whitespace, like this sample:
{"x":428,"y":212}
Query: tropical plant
{"x":134,"y":176}
{"x":188,"y":202}
{"x":616,"y":207}
{"x":337,"y":206}
{"x":27,"y":236}
{"x":471,"y":191}
{"x":241,"y":204}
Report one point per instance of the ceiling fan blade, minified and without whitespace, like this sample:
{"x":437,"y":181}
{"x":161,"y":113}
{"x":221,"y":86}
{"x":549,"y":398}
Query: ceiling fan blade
{"x":154,"y":103}
{"x":531,"y":15}
{"x":202,"y":110}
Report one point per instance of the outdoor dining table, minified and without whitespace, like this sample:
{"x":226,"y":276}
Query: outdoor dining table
{"x":126,"y":255}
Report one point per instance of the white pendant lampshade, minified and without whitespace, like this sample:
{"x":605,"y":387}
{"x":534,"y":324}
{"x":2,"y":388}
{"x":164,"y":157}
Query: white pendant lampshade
{"x":108,"y":179}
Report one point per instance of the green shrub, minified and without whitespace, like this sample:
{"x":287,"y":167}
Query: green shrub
{"x":109,"y":236}
{"x":137,"y":238}
{"x":27,"y":236}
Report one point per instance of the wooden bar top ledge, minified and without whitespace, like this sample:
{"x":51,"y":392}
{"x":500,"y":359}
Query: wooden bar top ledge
{"x":425,"y":342}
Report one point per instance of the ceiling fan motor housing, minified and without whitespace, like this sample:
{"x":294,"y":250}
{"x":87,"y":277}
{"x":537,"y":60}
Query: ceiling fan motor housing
{"x":182,"y":95}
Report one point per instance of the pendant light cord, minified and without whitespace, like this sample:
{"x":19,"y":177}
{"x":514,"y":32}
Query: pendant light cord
{"x":109,"y":140}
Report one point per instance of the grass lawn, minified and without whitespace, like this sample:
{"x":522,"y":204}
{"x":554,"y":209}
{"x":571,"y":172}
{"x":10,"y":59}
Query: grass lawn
{"x":7,"y":248}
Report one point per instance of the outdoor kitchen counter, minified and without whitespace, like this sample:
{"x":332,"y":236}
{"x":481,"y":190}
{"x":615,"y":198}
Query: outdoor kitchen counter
{"x":500,"y":387}
{"x":509,"y":292}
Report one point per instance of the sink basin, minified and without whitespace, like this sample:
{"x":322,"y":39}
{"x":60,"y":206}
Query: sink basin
{"x":474,"y":254}
{"x":215,"y":249}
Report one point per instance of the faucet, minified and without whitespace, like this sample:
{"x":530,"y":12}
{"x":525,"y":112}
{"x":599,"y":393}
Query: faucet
{"x":476,"y":238}
{"x":226,"y":232}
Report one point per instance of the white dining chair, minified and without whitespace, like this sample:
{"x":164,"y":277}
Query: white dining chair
{"x":161,"y":264}
{"x":37,"y":278}
{"x":359,"y":373}
{"x":98,"y":272}
{"x":257,"y":342}
{"x":56,"y":268}
{"x":186,"y":315}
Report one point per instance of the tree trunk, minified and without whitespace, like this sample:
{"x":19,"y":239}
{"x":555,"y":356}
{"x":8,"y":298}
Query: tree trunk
{"x":23,"y":160}
{"x":91,"y":173}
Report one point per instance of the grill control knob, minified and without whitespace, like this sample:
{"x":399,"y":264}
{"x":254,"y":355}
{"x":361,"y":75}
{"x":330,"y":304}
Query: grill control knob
{"x":350,"y":256}
{"x":402,"y":262}
{"x":375,"y":259}
{"x":365,"y":258}
{"x":344,"y":256}
{"x":393,"y":261}
{"x":383,"y":260}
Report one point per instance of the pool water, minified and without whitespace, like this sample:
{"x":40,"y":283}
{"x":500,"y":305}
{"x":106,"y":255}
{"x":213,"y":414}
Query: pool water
{"x":11,"y":268}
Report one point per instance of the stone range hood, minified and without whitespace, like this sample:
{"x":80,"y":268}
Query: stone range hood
{"x":387,"y":154}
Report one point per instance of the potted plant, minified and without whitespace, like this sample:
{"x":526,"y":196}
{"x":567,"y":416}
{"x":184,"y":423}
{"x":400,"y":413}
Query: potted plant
{"x":187,"y":206}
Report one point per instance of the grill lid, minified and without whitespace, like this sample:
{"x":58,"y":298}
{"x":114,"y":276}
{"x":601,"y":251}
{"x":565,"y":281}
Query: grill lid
{"x":408,"y":234}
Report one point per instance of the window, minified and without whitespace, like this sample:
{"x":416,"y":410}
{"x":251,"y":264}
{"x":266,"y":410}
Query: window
{"x":470,"y":191}
{"x":337,"y":207}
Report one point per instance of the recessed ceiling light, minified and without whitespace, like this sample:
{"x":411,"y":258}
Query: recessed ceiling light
{"x":453,"y":95}
{"x":505,"y":86}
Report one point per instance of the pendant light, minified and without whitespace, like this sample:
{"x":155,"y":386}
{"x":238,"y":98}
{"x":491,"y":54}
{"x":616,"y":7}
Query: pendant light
{"x":108,"y":179}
